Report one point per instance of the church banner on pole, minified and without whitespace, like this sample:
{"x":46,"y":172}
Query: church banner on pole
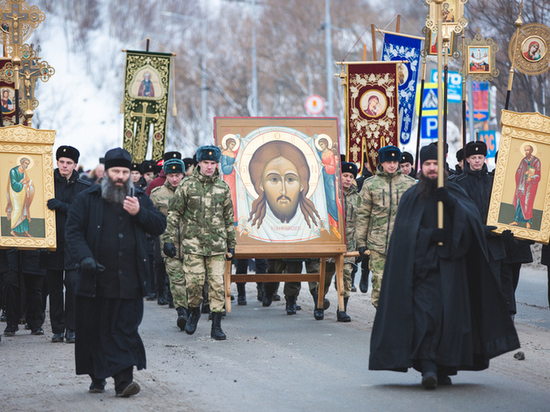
{"x":372,"y":108}
{"x":407,"y":49}
{"x":146,"y":87}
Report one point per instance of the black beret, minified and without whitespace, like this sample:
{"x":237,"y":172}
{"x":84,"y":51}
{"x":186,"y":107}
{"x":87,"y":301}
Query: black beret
{"x":102,"y":160}
{"x":137,"y":166}
{"x":389,"y":154}
{"x":460,"y":155}
{"x":209,"y":152}
{"x":428,"y":153}
{"x":348,"y":167}
{"x":148,"y":166}
{"x":406,"y":157}
{"x":172,"y":155}
{"x":475,"y":148}
{"x":118,"y":157}
{"x":69,"y":152}
{"x":188,"y":161}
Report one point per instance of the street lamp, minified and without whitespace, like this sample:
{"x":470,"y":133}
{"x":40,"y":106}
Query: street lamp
{"x":204,"y":89}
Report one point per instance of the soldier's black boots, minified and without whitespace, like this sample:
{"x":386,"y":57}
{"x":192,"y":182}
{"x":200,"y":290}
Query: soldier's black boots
{"x":319,"y":313}
{"x":241,"y":297}
{"x":364,"y":282}
{"x":192,"y":320}
{"x":342,"y":316}
{"x":291,"y":305}
{"x":182,"y":318}
{"x":217,"y":332}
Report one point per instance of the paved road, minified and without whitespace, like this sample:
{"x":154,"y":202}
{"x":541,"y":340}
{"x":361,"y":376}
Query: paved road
{"x":275,"y":362}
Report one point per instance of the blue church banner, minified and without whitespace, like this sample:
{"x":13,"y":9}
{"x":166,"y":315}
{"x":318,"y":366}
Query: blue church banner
{"x":402,"y":47}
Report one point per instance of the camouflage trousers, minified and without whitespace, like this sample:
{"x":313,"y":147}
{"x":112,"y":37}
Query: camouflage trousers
{"x":330,"y":270}
{"x":377,"y":261}
{"x":174,"y":269}
{"x":199,"y":268}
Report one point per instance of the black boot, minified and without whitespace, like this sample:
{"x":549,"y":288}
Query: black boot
{"x":429,"y":374}
{"x":205,"y":307}
{"x":217,"y":332}
{"x":241,"y":297}
{"x":291,"y":305}
{"x":260,"y":289}
{"x":318,"y":313}
{"x":364,"y":282}
{"x":192,"y":320}
{"x":343,"y":316}
{"x":182,"y":318}
{"x":161,"y":298}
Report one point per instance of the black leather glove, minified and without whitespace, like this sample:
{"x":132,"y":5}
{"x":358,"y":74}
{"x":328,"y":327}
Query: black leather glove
{"x":489,"y":231}
{"x":507,"y":236}
{"x":56,"y":204}
{"x":441,"y":194}
{"x":362,"y":251}
{"x":169,"y":250}
{"x":438,"y":236}
{"x":230,"y":253}
{"x":88,"y":266}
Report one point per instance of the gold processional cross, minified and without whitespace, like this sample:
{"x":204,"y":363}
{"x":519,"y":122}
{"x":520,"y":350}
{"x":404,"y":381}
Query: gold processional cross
{"x":144,"y":119}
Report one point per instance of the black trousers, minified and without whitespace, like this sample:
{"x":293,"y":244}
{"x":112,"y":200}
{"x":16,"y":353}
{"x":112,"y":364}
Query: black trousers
{"x":61,"y":305}
{"x":32,"y":286}
{"x":242,"y":268}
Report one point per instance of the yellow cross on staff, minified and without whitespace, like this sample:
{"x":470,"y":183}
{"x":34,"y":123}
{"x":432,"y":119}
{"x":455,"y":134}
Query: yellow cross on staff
{"x":143,"y":117}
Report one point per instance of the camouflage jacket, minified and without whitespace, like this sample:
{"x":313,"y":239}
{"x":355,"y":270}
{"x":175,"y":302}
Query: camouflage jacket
{"x":378,"y":202}
{"x":161,"y":197}
{"x":351,"y":200}
{"x":204,"y":206}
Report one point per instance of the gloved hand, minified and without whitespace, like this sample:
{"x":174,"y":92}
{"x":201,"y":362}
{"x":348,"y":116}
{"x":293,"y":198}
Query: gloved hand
{"x":89,"y":266}
{"x":438,"y":236}
{"x":169,"y":250}
{"x":56,"y":204}
{"x":362,"y":252}
{"x":489,"y":231}
{"x":507,"y":236}
{"x":230,"y":253}
{"x":441,"y":194}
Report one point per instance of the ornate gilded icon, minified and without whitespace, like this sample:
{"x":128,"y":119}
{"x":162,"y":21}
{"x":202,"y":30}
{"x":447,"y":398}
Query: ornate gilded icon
{"x":529,"y":49}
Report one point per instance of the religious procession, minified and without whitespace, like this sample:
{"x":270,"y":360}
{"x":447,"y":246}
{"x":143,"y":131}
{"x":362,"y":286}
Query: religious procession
{"x":208,"y":211}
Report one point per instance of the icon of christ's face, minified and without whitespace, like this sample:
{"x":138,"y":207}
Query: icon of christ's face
{"x":281,"y":185}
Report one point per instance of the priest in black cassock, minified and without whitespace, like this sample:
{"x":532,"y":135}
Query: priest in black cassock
{"x":440,"y":309}
{"x":106,"y":233}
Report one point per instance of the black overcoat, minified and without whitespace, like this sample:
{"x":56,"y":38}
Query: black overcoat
{"x":83,"y":233}
{"x":477,"y":325}
{"x":65,"y":191}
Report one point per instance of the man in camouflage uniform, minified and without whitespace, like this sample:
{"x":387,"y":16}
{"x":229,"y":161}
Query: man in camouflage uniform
{"x":161,"y":196}
{"x":378,"y":202}
{"x":351,"y":199}
{"x":203,"y":203}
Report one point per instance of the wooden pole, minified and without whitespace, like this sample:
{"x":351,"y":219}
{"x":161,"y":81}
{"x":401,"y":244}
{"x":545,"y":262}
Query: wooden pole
{"x":398,"y":24}
{"x":440,"y":146}
{"x":446,"y":40}
{"x":373,"y":33}
{"x":147,"y":43}
{"x":419,"y":129}
{"x":227,"y":285}
{"x":464,"y":74}
{"x":518,"y":23}
{"x":365,"y":53}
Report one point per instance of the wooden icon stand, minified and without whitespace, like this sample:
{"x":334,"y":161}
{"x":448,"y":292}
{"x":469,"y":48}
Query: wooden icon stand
{"x":290,"y":251}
